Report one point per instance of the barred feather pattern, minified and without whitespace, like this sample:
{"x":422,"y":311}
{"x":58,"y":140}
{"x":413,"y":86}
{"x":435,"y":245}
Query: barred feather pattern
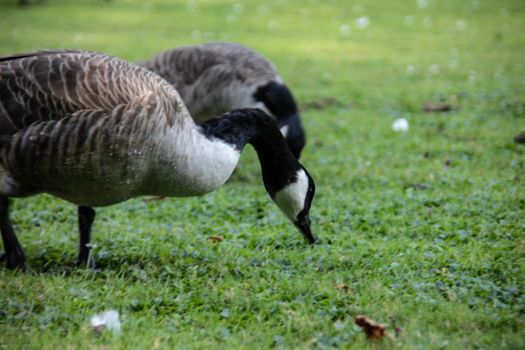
{"x":96,"y":130}
{"x":213,"y":79}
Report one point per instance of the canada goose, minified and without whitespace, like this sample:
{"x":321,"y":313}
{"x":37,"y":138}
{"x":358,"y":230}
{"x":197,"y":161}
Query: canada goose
{"x":216,"y":78}
{"x":96,"y":130}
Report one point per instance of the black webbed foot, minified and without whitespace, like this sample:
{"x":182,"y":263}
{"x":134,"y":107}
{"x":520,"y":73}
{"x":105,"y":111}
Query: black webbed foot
{"x":16,"y":260}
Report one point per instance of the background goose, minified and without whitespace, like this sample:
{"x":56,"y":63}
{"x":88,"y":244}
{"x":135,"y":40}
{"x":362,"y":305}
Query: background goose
{"x":213,"y":79}
{"x":95,"y":130}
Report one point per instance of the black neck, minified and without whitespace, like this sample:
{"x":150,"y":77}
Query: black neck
{"x":253,"y":126}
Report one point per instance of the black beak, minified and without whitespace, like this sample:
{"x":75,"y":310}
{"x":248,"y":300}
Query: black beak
{"x":304,"y":226}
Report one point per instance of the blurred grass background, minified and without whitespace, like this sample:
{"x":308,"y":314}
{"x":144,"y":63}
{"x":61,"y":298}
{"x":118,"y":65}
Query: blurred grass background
{"x":424,"y":228}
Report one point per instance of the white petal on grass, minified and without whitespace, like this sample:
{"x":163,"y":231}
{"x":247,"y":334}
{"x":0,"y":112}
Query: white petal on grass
{"x":78,"y":38}
{"x":273,"y":25}
{"x":474,"y":5}
{"x":362,"y":22}
{"x":262,"y":10}
{"x":196,"y":34}
{"x":357,"y":8}
{"x":344,"y":29}
{"x":461,"y":24}
{"x":108,"y":319}
{"x":408,"y":20}
{"x":400,"y":125}
{"x":238,"y":8}
{"x":209,"y":36}
{"x":226,"y":313}
{"x":326,"y":77}
{"x":231,"y":19}
{"x":192,"y":6}
{"x":433,"y":69}
{"x":472,"y":76}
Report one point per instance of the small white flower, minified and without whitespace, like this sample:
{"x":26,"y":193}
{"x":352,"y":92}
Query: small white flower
{"x":262,"y":10}
{"x":362,"y":22}
{"x":78,"y":38}
{"x":461,"y":24}
{"x":474,"y":5}
{"x":273,"y":25}
{"x":196,"y":34}
{"x":453,"y":64}
{"x":209,"y":36}
{"x":472,"y":76}
{"x":344,"y":29}
{"x":238,"y":8}
{"x":400,"y":124}
{"x":191,"y":6}
{"x":433,"y":69}
{"x":108,"y":319}
{"x":231,"y":19}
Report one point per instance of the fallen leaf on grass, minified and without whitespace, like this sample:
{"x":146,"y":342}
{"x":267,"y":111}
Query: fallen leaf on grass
{"x":215,"y":239}
{"x":156,"y":343}
{"x":432,"y":107}
{"x":520,"y":138}
{"x":418,"y":186}
{"x":372,"y":329}
{"x":342,"y":287}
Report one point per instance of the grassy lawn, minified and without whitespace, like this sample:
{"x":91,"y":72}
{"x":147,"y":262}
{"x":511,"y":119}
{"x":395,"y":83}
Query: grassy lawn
{"x":422,"y":230}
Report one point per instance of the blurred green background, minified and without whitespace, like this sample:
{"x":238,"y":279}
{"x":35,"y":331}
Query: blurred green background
{"x":423,"y":230}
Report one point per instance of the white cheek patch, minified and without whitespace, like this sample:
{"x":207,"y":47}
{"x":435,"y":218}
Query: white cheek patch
{"x":291,"y":198}
{"x":262,"y":107}
{"x":284,"y":130}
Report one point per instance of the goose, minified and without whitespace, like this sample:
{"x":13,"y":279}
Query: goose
{"x":96,"y":130}
{"x":215,"y":78}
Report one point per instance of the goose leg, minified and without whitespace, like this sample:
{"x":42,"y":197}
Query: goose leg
{"x":86,"y":216}
{"x":14,"y":254}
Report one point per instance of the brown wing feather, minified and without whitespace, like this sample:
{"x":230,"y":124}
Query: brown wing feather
{"x":53,"y":84}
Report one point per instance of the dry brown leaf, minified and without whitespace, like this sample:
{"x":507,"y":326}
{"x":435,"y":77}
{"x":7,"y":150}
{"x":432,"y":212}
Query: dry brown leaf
{"x":215,"y":239}
{"x":520,"y":138}
{"x":342,"y":287}
{"x":432,"y":107}
{"x":156,"y":343}
{"x":372,"y":329}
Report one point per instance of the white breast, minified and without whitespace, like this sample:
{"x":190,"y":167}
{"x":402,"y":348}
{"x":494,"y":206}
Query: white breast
{"x":188,"y":163}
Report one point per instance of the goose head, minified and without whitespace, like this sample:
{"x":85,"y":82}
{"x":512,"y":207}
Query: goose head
{"x":287,"y":182}
{"x":295,"y":199}
{"x":277,"y":100}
